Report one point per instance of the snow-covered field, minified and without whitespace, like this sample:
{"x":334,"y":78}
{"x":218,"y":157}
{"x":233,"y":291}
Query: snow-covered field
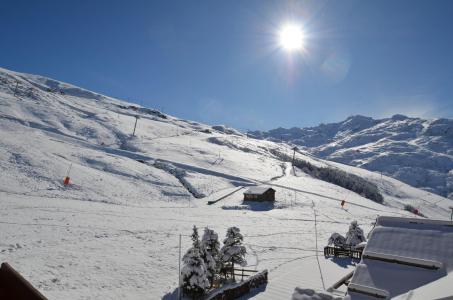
{"x":114,"y":231}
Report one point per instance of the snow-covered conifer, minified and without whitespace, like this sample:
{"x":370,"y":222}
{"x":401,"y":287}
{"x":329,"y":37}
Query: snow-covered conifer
{"x":194,"y":271}
{"x":355,"y":235}
{"x":211,"y":252}
{"x":337,"y":240}
{"x":195,"y":237}
{"x":233,"y":251}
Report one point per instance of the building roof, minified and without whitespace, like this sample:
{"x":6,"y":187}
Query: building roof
{"x":405,"y":255}
{"x":257,"y":190}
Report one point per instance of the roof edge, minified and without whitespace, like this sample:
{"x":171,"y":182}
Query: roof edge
{"x":384,"y":220}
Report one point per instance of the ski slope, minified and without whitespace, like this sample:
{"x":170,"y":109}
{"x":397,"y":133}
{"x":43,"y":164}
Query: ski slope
{"x":114,"y":231}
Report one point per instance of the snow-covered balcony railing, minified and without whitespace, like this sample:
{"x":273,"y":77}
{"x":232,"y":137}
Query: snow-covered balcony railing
{"x":409,"y":261}
{"x":344,"y":280}
{"x":239,"y":289}
{"x":368,"y":290}
{"x":342,"y":252}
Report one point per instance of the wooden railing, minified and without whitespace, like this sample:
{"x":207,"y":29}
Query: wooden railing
{"x":228,"y":271}
{"x":342,"y":252}
{"x":242,"y":288}
{"x":243,"y":273}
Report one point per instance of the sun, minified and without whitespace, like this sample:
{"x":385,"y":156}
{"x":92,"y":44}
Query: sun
{"x":291,"y":37}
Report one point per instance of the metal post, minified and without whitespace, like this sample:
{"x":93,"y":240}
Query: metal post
{"x":135,"y":126}
{"x":179,"y":269}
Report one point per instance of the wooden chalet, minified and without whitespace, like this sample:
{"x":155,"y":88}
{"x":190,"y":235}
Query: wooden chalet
{"x":259,"y":193}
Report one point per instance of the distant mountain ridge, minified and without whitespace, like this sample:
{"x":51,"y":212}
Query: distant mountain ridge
{"x":414,"y":150}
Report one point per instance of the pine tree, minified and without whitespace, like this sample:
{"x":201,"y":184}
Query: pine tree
{"x":211,"y":253}
{"x":355,"y":235}
{"x":194,"y":272}
{"x":337,"y":240}
{"x":233,"y":251}
{"x":195,"y":237}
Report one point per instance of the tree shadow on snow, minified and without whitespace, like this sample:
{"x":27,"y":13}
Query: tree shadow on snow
{"x":171,"y":295}
{"x":344,"y":262}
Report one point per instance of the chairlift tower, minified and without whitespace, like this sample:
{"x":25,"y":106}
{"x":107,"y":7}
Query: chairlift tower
{"x":294,"y":153}
{"x":135,"y":126}
{"x":15,"y":88}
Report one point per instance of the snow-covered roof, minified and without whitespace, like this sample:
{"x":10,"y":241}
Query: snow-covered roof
{"x":439,"y":289}
{"x":257,"y":190}
{"x":404,"y":254}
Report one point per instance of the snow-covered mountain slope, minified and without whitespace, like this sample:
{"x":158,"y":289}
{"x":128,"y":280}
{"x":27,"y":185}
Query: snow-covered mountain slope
{"x":113,"y":232}
{"x":416,"y":151}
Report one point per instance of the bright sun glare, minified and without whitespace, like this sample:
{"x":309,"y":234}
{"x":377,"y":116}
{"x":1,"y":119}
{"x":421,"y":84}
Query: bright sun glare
{"x":291,"y":37}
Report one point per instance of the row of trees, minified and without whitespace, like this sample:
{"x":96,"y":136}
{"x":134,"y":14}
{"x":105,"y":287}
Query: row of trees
{"x":335,"y":176}
{"x":205,"y":260}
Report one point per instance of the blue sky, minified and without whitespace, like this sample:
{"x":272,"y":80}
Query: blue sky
{"x":220,"y":62}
